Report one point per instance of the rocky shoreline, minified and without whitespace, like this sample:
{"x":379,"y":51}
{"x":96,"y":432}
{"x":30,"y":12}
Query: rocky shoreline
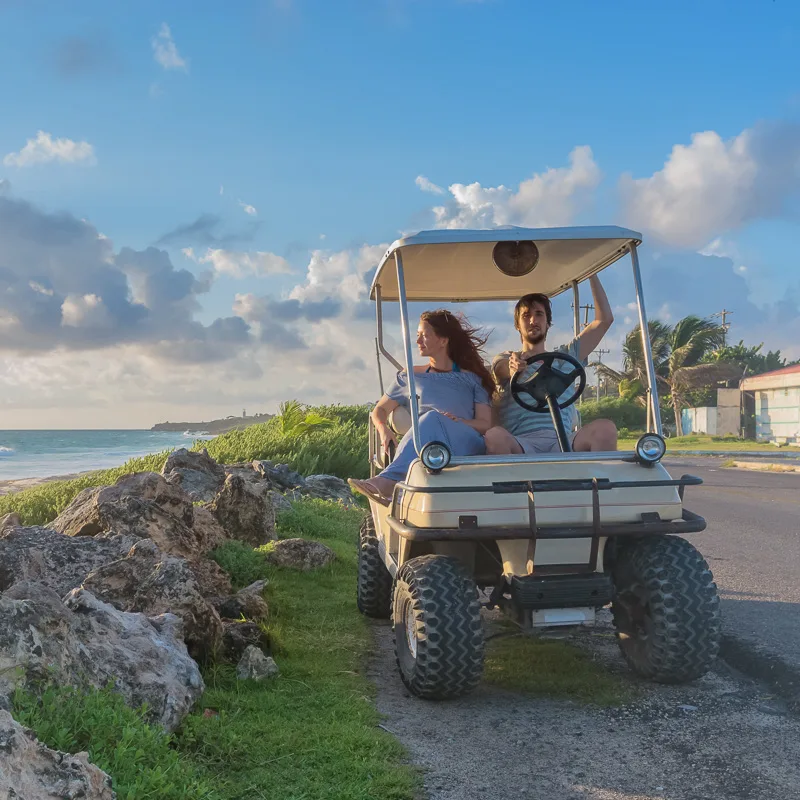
{"x":119,"y":588}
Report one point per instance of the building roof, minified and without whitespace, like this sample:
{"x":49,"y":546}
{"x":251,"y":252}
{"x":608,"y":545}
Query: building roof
{"x":778,"y":378}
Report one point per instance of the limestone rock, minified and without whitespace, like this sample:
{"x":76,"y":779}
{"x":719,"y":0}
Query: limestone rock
{"x":254,"y":665}
{"x":10,"y":521}
{"x":152,"y":583}
{"x":207,"y":529}
{"x":197,"y":474}
{"x":85,"y":642}
{"x":329,"y":487}
{"x":58,"y":561}
{"x":301,"y":554}
{"x":31,"y":771}
{"x":248,"y":603}
{"x":245,"y":511}
{"x":238,"y":636}
{"x":142,"y":505}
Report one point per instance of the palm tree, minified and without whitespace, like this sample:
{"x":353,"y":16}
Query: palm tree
{"x":295,"y":421}
{"x":678,"y":353}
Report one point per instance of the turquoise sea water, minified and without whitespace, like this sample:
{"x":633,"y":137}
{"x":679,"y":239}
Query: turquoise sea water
{"x":40,"y":454}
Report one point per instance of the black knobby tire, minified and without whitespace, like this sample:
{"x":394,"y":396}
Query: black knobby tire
{"x":436,"y":611}
{"x":374,"y":592}
{"x":666,"y":609}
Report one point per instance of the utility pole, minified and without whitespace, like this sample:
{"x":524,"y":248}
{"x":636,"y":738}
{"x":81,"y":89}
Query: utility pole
{"x":725,"y":325}
{"x":600,"y":353}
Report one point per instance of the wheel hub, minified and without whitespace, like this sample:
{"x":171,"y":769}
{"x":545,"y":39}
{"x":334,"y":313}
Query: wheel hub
{"x":410,"y":624}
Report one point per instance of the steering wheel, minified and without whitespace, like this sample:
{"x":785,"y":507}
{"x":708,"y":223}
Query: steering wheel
{"x":548,"y":382}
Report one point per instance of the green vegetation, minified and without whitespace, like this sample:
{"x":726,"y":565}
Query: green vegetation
{"x":552,"y":669}
{"x":310,"y":733}
{"x":337,"y":449}
{"x":694,"y":442}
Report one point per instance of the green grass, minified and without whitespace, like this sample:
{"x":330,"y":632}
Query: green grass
{"x":310,"y":733}
{"x":720,"y":443}
{"x":552,"y":669}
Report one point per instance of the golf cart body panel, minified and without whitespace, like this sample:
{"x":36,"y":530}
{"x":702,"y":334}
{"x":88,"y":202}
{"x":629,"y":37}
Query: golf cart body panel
{"x":457,"y":265}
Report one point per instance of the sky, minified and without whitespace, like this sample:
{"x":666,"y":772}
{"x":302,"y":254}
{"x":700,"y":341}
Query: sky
{"x":193,"y":197}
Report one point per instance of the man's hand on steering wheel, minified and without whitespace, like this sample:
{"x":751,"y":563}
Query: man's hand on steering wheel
{"x":546,"y":381}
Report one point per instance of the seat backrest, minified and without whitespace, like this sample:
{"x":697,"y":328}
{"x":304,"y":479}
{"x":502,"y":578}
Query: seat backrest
{"x":400,"y":420}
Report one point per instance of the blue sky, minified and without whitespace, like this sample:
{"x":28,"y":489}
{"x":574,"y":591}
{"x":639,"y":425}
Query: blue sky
{"x":273,"y":140}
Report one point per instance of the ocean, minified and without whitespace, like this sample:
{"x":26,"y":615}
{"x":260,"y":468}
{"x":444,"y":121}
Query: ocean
{"x":40,"y":454}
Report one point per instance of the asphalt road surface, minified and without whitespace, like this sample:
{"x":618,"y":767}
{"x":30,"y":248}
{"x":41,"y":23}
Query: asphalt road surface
{"x":752,"y":545}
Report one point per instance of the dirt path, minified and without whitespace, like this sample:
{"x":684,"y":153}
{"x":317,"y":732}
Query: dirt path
{"x":722,"y":738}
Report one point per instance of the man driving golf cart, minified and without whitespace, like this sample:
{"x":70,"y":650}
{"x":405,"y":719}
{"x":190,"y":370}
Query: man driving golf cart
{"x":520,"y":431}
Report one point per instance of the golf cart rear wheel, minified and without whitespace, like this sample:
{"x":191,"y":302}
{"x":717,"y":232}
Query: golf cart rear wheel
{"x":437,"y":628}
{"x":374,"y":580}
{"x":666,"y":609}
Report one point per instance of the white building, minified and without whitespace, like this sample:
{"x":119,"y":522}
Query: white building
{"x":777,"y":404}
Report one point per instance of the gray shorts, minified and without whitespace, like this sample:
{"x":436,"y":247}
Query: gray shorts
{"x":545,"y":441}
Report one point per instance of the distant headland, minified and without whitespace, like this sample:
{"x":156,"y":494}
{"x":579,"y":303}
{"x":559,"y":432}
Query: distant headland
{"x":215,"y":425}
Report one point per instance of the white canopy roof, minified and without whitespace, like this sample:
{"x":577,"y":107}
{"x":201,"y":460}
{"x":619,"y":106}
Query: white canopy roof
{"x":457,"y":265}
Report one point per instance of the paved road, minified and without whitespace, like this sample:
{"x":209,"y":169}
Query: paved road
{"x":753,"y":547}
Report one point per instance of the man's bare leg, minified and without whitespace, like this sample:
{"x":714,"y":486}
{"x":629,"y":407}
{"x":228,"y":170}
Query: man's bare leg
{"x":597,"y":436}
{"x":499,"y":442}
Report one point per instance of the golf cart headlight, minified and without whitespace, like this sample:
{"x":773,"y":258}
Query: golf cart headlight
{"x":651,"y":448}
{"x":435,"y":456}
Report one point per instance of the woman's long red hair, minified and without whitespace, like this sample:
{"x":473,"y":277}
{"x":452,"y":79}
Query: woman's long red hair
{"x":464,"y":343}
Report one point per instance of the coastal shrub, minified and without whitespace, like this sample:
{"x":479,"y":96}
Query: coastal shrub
{"x":340,"y":449}
{"x":623,"y":413}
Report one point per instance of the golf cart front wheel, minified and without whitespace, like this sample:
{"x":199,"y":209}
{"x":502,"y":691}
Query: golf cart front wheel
{"x":374,"y":588}
{"x":666,"y":609}
{"x":437,"y":628}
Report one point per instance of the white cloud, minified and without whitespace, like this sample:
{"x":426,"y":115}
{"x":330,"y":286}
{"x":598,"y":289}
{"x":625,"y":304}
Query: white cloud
{"x":248,"y":209}
{"x":546,"y":199}
{"x":427,"y":185}
{"x":340,"y":274}
{"x":239,"y":264}
{"x":44,"y":148}
{"x":86,"y":310}
{"x":712,"y":186}
{"x":165,"y":52}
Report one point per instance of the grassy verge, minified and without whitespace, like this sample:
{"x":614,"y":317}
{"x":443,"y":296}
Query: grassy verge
{"x":310,"y":733}
{"x":552,"y":669}
{"x":719,"y":443}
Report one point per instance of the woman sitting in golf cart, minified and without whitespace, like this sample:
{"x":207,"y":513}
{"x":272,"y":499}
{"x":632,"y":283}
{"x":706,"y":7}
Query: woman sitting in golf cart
{"x":454,"y":393}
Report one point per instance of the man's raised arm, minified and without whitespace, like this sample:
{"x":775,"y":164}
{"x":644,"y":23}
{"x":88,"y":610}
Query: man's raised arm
{"x":593,"y":333}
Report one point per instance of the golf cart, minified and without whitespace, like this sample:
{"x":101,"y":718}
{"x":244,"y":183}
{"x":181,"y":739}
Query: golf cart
{"x":548,"y":538}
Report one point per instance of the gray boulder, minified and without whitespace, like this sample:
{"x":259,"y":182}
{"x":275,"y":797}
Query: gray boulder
{"x":142,"y":505}
{"x":245,"y":511}
{"x":301,"y":554}
{"x":58,"y":561}
{"x":31,"y":771}
{"x":197,"y":474}
{"x":238,"y":636}
{"x":255,"y":666}
{"x":85,"y":642}
{"x":329,"y":487}
{"x":248,"y":603}
{"x":153,"y":583}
